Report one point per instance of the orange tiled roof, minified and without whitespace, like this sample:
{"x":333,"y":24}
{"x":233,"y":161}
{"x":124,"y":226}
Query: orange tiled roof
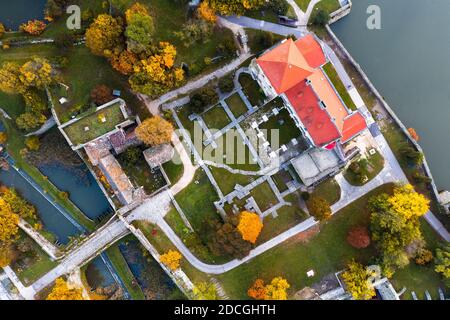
{"x":311,"y":50}
{"x":284,"y":66}
{"x":353,"y":125}
{"x":326,"y":93}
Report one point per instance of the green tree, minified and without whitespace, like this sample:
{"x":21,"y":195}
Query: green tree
{"x":442,"y":263}
{"x":320,"y":18}
{"x":29,"y":121}
{"x":140,"y":28}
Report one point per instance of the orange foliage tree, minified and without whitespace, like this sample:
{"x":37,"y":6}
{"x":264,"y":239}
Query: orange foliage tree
{"x":413,"y":134}
{"x":171,"y":259}
{"x":33,"y":27}
{"x":205,"y":12}
{"x":275,"y":290}
{"x":124,"y":62}
{"x":250,"y":226}
{"x":258,"y":290}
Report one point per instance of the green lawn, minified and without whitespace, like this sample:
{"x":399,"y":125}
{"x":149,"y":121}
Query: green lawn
{"x":264,"y":196}
{"x":174,"y":168}
{"x":281,"y":125}
{"x":236,"y":105}
{"x":216,"y":118}
{"x":325,"y":253}
{"x":370,"y":167}
{"x":328,"y":190}
{"x":339,"y":85}
{"x":281,"y":178}
{"x":31,"y":269}
{"x":97,"y":124}
{"x":328,"y":6}
{"x":227,"y":181}
{"x":197,"y":202}
{"x":83,"y":65}
{"x":124,"y":272}
{"x":303,"y":4}
{"x":288,"y":217}
{"x":251,"y":89}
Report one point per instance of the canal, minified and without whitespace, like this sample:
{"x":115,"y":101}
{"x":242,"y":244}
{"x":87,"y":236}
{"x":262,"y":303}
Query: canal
{"x":407,"y":61}
{"x":14,"y":13}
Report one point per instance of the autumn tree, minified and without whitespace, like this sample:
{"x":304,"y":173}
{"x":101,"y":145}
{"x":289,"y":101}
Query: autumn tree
{"x":29,"y":120}
{"x":32,"y":143}
{"x":442,"y":263}
{"x":33,"y":27}
{"x":10,"y":81}
{"x":101,"y":94}
{"x":9,"y":222}
{"x":250,"y":226}
{"x":319,"y":208}
{"x":124,"y":62}
{"x":358,"y":237}
{"x":357,"y":281}
{"x":171,"y":259}
{"x":227,"y":240}
{"x":277,"y":289}
{"x":17,"y":204}
{"x":413,"y":134}
{"x":157,"y":73}
{"x":258,"y":290}
{"x":238,"y":7}
{"x":205,"y":12}
{"x":395,"y":225}
{"x":155,"y":131}
{"x":104,"y":34}
{"x":140,"y":28}
{"x":37,"y":72}
{"x":62,"y":291}
{"x":6,"y":254}
{"x":3,"y":137}
{"x":34,"y":101}
{"x":55,"y":8}
{"x":2,"y":30}
{"x":205,"y":291}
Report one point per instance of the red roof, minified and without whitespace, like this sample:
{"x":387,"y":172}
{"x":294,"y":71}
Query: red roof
{"x":316,"y":120}
{"x":353,"y":125}
{"x":311,"y":50}
{"x":284,"y":66}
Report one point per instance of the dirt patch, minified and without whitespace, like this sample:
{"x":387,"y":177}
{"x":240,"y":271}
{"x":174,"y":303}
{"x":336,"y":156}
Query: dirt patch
{"x":305,"y":236}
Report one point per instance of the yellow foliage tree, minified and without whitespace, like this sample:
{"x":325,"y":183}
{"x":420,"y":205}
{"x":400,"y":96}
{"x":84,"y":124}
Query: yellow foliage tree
{"x":104,"y":34}
{"x":277,"y":289}
{"x":356,"y":279}
{"x":205,"y":12}
{"x":136,"y":8}
{"x":171,"y":259}
{"x":250,"y":226}
{"x":36,"y":73}
{"x":6,"y":255}
{"x":2,"y":30}
{"x":10,"y":78}
{"x":61,"y":291}
{"x":229,"y":7}
{"x":9,"y":222}
{"x":3,"y":137}
{"x":155,"y":131}
{"x":408,"y":203}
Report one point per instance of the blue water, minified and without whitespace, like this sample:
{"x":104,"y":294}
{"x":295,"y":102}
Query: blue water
{"x":106,"y":279}
{"x":82,"y":187}
{"x":14,"y":13}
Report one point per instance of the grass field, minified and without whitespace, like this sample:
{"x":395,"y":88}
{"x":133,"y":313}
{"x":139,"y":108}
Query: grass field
{"x":216,"y":118}
{"x":251,"y":89}
{"x":328,"y":190}
{"x":325,"y":253}
{"x":264,"y":196}
{"x":236,"y":105}
{"x":371,"y":167}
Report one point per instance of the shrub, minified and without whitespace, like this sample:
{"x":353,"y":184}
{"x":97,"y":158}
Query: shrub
{"x":3,"y":137}
{"x":226,"y":84}
{"x":101,"y":94}
{"x":319,"y":208}
{"x":202,"y":99}
{"x":423,"y":257}
{"x":32,"y":143}
{"x":33,"y":27}
{"x":358,"y":237}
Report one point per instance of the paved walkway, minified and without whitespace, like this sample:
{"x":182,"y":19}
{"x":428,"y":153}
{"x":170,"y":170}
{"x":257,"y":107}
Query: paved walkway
{"x":45,"y":245}
{"x":26,"y":292}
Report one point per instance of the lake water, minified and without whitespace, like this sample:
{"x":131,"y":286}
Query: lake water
{"x":407,"y":60}
{"x":15,"y":12}
{"x":82,"y":187}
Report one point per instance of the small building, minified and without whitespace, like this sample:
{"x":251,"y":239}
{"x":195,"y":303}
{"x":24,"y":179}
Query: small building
{"x":158,"y":155}
{"x":117,"y":178}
